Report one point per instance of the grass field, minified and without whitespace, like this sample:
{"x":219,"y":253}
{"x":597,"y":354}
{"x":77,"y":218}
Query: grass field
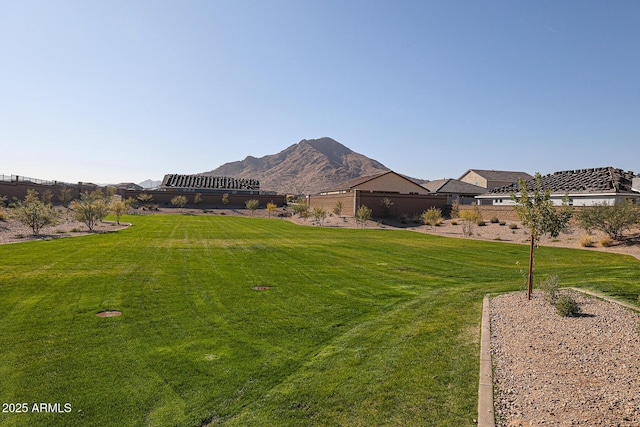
{"x":358,"y":328}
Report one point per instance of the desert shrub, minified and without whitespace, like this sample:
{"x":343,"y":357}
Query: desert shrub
{"x":225,"y":199}
{"x":470,"y":219}
{"x":319,"y":214}
{"x":606,"y":241}
{"x":587,"y":242}
{"x":271,"y":208}
{"x":179,"y":201}
{"x":566,"y":306}
{"x":197,"y":198}
{"x":252,"y":205}
{"x":502,"y":223}
{"x":494,"y":220}
{"x":404,"y":218}
{"x":454,"y":222}
{"x":432,"y":217}
{"x":612,"y":219}
{"x":455,"y":209}
{"x":513,"y":226}
{"x":363,"y":215}
{"x":481,"y":223}
{"x":550,"y":286}
{"x":337,"y":209}
{"x":3,"y":215}
{"x":417,"y":218}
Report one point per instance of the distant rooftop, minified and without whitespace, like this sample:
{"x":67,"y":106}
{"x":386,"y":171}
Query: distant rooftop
{"x":594,"y":180}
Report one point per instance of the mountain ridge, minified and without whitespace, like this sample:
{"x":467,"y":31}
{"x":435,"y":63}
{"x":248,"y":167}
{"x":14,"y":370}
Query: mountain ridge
{"x":308,"y":167}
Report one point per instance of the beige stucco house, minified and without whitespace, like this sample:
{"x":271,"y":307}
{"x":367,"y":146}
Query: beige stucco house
{"x":385,"y":182}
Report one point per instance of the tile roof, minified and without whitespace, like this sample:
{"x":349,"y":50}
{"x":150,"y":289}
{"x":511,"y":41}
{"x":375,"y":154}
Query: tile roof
{"x":594,"y":180}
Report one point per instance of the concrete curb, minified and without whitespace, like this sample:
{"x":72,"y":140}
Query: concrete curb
{"x":606,"y":298}
{"x":486,"y":417}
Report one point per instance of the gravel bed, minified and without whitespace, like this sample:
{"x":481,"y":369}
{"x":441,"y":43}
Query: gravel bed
{"x":555,"y":371}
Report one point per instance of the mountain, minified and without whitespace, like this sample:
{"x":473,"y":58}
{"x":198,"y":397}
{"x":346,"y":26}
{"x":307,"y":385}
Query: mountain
{"x":149,"y":183}
{"x":307,"y":167}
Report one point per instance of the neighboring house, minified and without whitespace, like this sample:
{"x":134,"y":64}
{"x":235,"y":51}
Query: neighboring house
{"x":209,"y":184}
{"x":375,"y":191}
{"x":454,"y":189}
{"x":128,"y":186}
{"x":585,"y":187}
{"x":491,"y":179}
{"x":385,"y":182}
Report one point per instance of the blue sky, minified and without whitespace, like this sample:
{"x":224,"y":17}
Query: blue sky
{"x":112,"y":91}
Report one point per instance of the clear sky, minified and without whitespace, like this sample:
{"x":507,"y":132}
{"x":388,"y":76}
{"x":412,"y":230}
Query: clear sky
{"x":114,"y":91}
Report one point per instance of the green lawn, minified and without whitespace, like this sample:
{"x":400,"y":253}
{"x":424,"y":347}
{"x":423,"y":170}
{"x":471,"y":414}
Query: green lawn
{"x":359,"y":328}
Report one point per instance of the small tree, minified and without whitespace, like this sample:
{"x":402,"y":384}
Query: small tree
{"x":455,"y":209}
{"x":119,"y":208}
{"x":537,"y":213}
{"x":271,"y":208}
{"x":179,"y":201}
{"x":301,"y":207}
{"x":363,"y":215}
{"x":197,"y":199}
{"x":225,"y":199}
{"x":34,"y":213}
{"x":252,"y":205}
{"x":432,"y":217}
{"x":470,"y":218}
{"x":91,"y":208}
{"x":337,"y":209}
{"x":65,"y":195}
{"x":611,"y":219}
{"x":319,"y":214}
{"x":386,"y":207}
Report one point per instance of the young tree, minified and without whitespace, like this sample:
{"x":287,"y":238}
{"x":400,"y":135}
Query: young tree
{"x":386,"y":207}
{"x":91,"y":208}
{"x":337,"y":209}
{"x":225,"y":199}
{"x":536,"y":212}
{"x":432,"y":217}
{"x":34,"y":213}
{"x":179,"y":201}
{"x":271,"y":208}
{"x":119,"y":208}
{"x":252,"y":205}
{"x":611,"y":219}
{"x":455,"y":209}
{"x":65,"y":195}
{"x":470,"y":218}
{"x":363,"y":214}
{"x":319,"y":214}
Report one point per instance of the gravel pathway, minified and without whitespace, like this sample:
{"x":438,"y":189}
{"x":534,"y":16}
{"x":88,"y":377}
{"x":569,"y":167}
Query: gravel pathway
{"x":555,"y":371}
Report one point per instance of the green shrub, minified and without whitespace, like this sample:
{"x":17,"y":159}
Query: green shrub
{"x":550,"y":286}
{"x":502,"y":223}
{"x":494,"y":220}
{"x":513,"y":226}
{"x":566,"y":306}
{"x":481,"y":223}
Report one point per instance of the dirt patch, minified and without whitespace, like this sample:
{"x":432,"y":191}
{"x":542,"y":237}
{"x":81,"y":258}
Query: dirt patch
{"x":109,"y":313}
{"x":261,"y":288}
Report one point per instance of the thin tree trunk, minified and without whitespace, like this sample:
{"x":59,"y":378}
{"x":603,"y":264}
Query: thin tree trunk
{"x":530,"y":281}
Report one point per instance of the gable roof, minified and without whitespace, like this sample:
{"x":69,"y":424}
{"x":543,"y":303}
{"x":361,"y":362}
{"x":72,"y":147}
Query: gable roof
{"x":363,"y":179}
{"x":453,"y":186}
{"x":493,"y":175}
{"x":594,"y":180}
